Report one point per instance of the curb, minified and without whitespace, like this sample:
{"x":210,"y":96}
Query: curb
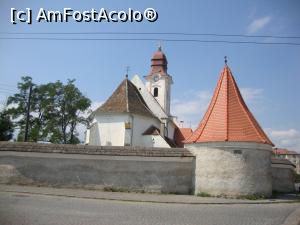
{"x":139,"y":198}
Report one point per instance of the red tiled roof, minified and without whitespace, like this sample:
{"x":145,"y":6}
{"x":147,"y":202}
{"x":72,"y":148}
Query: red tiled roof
{"x":282,"y":151}
{"x":227,"y":117}
{"x":181,"y":134}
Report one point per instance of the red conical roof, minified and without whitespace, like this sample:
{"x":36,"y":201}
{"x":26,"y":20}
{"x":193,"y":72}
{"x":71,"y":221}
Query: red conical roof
{"x":227,"y":117}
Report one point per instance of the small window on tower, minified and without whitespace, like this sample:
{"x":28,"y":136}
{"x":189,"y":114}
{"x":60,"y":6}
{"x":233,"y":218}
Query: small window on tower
{"x":155,"y":92}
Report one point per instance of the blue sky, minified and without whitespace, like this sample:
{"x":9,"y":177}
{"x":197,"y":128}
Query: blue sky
{"x":268,"y":75}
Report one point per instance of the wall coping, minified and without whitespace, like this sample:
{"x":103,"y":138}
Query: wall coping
{"x":230,"y":145}
{"x":282,"y":162}
{"x":94,"y":150}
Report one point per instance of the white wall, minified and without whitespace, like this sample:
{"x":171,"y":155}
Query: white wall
{"x":164,"y":91}
{"x":140,"y":125}
{"x":152,"y":103}
{"x":111,"y":129}
{"x":94,"y":137}
{"x":171,"y":129}
{"x":87,"y":136}
{"x":155,"y":141}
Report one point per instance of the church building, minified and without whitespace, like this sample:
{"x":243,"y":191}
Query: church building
{"x":138,"y":114}
{"x":232,"y":152}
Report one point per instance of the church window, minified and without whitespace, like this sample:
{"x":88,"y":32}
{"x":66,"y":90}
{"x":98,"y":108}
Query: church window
{"x":155,"y":92}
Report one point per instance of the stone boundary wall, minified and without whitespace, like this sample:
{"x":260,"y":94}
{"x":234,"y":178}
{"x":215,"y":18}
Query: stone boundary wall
{"x":155,"y":170}
{"x":283,"y":175}
{"x":160,"y":170}
{"x":232,"y":168}
{"x":94,"y":150}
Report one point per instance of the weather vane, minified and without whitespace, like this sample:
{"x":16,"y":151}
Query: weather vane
{"x":225,"y":59}
{"x":159,"y":45}
{"x":127,"y":70}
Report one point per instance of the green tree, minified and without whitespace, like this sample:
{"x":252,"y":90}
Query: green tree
{"x":18,"y":103}
{"x":55,"y":111}
{"x":6,"y":127}
{"x":69,"y":106}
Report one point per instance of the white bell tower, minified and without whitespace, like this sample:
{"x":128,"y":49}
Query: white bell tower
{"x":159,"y":82}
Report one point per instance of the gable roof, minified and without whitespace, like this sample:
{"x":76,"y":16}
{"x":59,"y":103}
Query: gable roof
{"x":152,"y":130}
{"x":182,"y":134}
{"x":227,"y":117}
{"x":125,"y":99}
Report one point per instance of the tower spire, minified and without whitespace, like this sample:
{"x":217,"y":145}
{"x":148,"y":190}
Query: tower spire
{"x":159,"y":81}
{"x":160,"y":46}
{"x":228,"y":117}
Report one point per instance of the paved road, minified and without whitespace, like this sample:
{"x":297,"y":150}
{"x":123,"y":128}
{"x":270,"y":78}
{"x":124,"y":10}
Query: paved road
{"x":31,"y":209}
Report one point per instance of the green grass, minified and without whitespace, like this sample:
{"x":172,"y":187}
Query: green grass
{"x":252,"y":197}
{"x":203,"y":194}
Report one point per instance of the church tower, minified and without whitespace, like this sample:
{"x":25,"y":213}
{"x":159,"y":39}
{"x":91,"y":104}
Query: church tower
{"x":158,"y":81}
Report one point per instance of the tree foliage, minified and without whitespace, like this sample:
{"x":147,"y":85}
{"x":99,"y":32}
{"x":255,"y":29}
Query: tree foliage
{"x":56,"y":110}
{"x":6,"y":127}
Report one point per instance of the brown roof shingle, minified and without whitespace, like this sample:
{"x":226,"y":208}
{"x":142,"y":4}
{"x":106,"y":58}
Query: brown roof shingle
{"x":126,"y":99}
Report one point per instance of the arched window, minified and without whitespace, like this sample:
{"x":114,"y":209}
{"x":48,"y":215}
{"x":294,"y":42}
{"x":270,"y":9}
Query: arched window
{"x":155,"y":92}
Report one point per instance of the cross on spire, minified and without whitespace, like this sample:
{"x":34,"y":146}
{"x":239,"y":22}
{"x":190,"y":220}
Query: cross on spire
{"x":127,"y":70}
{"x":225,"y":60}
{"x":159,"y":46}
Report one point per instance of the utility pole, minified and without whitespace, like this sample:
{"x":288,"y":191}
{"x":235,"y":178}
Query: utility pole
{"x":28,"y":114}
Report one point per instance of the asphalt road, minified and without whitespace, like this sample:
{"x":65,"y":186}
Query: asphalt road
{"x":31,"y":209}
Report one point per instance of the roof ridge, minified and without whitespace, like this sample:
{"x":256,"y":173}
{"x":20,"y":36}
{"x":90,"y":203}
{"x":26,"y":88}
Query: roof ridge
{"x":227,"y":106}
{"x":126,"y":94}
{"x":140,"y":99}
{"x":211,"y":106}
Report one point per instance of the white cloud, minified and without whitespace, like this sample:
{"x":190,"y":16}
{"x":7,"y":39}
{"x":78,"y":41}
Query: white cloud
{"x":191,"y":107}
{"x":258,"y":24}
{"x":291,"y":133}
{"x":252,"y":94}
{"x":255,"y":100}
{"x":289,"y":138}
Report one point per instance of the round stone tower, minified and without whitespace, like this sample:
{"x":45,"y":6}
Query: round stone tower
{"x":233,"y":154}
